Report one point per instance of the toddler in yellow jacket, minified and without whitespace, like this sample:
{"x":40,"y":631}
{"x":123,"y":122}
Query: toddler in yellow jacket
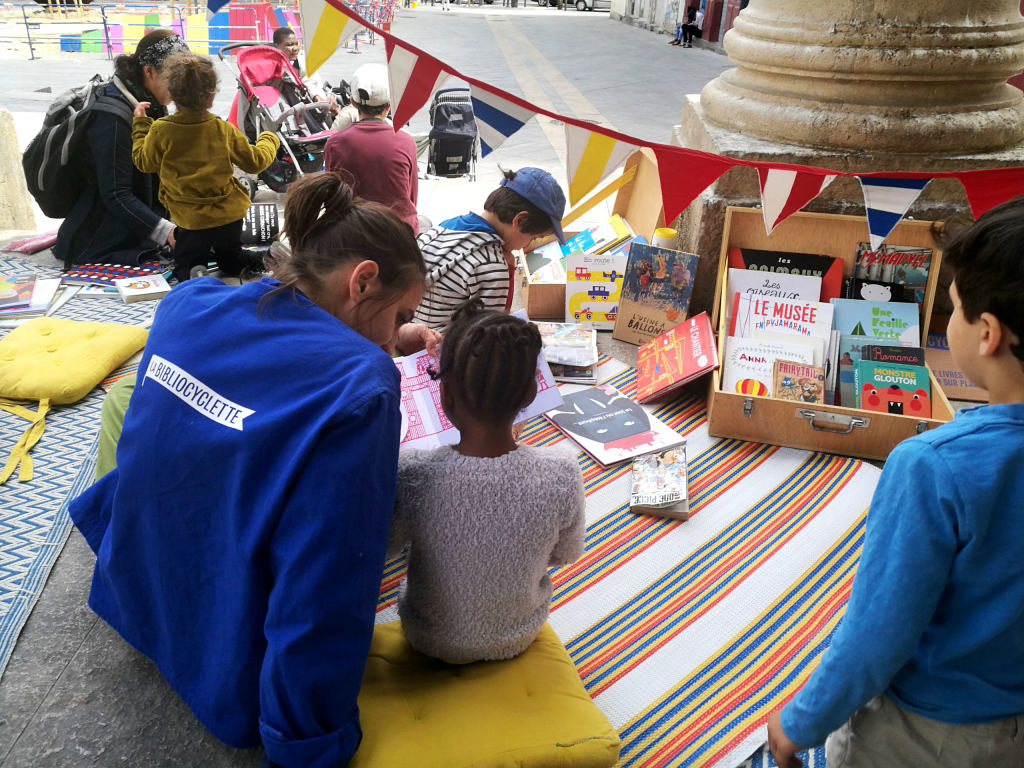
{"x":194,"y":152}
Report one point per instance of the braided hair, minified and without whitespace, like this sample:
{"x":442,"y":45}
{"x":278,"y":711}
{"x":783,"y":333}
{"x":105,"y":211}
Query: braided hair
{"x":489,"y":362}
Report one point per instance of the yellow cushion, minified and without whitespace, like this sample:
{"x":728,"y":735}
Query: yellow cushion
{"x":529,"y":711}
{"x":63,"y":360}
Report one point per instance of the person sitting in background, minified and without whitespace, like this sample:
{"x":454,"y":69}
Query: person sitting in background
{"x":287,"y":42}
{"x":195,"y":152}
{"x":927,"y":666}
{"x":376,"y":160}
{"x":486,"y":518}
{"x":118,"y":216}
{"x":471,"y":256}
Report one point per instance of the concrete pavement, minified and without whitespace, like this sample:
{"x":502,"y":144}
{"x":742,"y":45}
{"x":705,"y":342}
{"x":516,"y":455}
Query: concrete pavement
{"x":75,"y":694}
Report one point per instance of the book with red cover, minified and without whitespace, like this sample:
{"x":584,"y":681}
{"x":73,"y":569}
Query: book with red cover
{"x":828,"y":268}
{"x":677,"y":356}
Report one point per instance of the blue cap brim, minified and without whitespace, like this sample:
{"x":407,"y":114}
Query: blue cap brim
{"x":557,"y":226}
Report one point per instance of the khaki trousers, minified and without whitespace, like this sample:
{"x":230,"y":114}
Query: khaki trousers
{"x":884,"y":735}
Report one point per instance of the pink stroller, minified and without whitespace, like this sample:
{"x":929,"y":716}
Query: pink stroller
{"x":272,"y":97}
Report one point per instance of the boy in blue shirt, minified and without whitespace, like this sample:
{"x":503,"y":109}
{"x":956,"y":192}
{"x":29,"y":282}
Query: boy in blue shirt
{"x":927,"y":666}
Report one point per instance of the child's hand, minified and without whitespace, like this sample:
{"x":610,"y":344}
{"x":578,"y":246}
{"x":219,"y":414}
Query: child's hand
{"x":783,"y":750}
{"x":140,"y":109}
{"x":412,"y":337}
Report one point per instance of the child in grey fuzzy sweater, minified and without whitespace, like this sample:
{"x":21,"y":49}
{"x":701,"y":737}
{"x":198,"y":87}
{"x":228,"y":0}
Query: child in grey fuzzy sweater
{"x":484,"y":519}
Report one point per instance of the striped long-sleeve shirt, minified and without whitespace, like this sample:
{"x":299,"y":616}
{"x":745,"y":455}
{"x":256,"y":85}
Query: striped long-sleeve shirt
{"x":460,"y":266}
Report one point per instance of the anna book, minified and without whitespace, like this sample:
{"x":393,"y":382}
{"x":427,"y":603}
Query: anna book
{"x":748,"y":364}
{"x":679,"y":355}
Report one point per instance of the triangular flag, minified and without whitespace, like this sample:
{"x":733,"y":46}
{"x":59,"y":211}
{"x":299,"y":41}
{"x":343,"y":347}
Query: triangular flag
{"x":414,"y":77}
{"x":684,"y":174}
{"x":496,"y":118}
{"x":325,"y":29}
{"x":987,"y":189}
{"x":885,"y":202}
{"x":590,"y":156}
{"x":784,"y":192}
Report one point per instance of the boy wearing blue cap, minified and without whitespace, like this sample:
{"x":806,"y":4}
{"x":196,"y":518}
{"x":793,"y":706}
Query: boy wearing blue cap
{"x":470,"y":256}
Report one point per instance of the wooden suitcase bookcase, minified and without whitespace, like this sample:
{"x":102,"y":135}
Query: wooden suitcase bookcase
{"x":833,"y":429}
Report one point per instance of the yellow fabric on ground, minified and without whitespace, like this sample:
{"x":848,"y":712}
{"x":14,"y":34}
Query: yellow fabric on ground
{"x":530,"y":711}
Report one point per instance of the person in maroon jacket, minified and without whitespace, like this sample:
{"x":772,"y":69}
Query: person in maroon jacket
{"x":378,"y":161}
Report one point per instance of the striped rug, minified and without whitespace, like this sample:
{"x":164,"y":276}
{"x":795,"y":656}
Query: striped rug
{"x":687,"y":634}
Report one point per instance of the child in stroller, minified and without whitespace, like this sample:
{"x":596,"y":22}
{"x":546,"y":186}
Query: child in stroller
{"x":272,"y":97}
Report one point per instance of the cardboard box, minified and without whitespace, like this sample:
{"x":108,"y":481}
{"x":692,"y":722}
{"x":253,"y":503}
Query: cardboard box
{"x":829,"y":428}
{"x":637,"y":200}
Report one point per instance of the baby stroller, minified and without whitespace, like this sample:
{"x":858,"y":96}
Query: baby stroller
{"x":272,"y":97}
{"x":453,"y":135}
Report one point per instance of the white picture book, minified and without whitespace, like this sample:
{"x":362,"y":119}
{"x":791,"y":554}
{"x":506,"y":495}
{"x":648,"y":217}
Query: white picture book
{"x":142,"y":288}
{"x":748,"y":363}
{"x":610,"y":426}
{"x":424,"y":423}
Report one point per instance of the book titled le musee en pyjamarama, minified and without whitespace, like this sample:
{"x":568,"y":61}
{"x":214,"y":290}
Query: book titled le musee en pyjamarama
{"x":659,"y":484}
{"x":677,"y":356}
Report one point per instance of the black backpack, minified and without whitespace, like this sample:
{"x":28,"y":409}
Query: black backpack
{"x":57,"y":165}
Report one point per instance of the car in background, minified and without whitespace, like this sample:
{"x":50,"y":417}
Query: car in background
{"x":593,"y":5}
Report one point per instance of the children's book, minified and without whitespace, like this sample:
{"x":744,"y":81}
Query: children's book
{"x":876,"y":290}
{"x":16,"y":290}
{"x":142,"y":288}
{"x":43,"y":291}
{"x":748,"y":364}
{"x":947,"y":373}
{"x":901,"y":264}
{"x":888,"y":388}
{"x":777,"y":285}
{"x":611,"y":233}
{"x":546,"y":264}
{"x":789,"y":321}
{"x":828,"y":268}
{"x":593,"y":284}
{"x":574,"y":374}
{"x":659,"y":484}
{"x":260,"y":224}
{"x":106,"y":274}
{"x":610,"y":426}
{"x":798,"y":382}
{"x":879,"y":353}
{"x":677,"y":356}
{"x":568,"y":343}
{"x":655,"y":292}
{"x":424,"y":423}
{"x":880,"y":319}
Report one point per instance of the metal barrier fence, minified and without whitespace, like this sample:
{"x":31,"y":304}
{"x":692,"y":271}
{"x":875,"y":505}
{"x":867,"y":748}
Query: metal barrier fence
{"x":111,"y":29}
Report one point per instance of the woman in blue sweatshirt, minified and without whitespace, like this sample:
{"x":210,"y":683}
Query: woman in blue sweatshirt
{"x":222,"y":551}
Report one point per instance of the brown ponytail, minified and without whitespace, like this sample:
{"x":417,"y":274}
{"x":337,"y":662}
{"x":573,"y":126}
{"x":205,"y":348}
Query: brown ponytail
{"x":327,"y":228}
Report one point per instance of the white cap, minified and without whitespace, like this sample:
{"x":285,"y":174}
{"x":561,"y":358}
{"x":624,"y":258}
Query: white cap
{"x":370,"y":86}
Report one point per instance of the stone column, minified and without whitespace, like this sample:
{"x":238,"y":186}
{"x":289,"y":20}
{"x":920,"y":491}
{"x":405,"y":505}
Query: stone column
{"x":15,"y":203}
{"x":857,"y":85}
{"x":888,"y":75}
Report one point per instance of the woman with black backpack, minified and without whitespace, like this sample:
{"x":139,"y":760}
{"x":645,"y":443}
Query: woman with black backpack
{"x":117,"y":218}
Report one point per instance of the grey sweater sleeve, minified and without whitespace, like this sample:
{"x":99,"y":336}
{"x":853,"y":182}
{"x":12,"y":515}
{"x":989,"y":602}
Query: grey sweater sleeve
{"x":569,"y":548}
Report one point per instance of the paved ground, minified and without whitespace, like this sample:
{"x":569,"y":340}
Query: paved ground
{"x":74,"y":693}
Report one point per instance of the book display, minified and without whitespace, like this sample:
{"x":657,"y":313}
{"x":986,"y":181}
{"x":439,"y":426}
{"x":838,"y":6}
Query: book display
{"x":769,"y":395}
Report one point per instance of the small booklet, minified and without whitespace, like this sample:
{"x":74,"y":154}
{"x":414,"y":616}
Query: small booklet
{"x":659,"y":484}
{"x":798,"y":382}
{"x":142,"y":288}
